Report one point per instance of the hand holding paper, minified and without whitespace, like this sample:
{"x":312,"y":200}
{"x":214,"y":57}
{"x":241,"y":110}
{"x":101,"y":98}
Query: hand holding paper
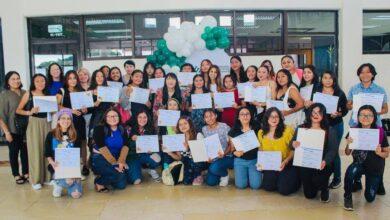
{"x":147,"y":144}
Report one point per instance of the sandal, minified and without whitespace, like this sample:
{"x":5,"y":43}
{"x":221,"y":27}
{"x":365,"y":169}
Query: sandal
{"x":26,"y":177}
{"x":19,"y":180}
{"x":102,"y":190}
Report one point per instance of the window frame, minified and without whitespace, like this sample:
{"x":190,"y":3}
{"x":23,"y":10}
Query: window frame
{"x":372,"y":52}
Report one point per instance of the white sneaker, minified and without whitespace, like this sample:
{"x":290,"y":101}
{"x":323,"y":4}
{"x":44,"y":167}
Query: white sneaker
{"x":49,"y":183}
{"x":83,"y":178}
{"x":224,"y":181}
{"x":154,"y":175}
{"x":37,"y":186}
{"x":57,"y":190}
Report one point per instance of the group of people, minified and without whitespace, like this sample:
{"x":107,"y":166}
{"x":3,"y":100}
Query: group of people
{"x":109,"y":131}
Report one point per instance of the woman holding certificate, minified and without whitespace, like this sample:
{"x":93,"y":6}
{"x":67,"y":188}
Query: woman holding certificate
{"x":115,"y":75}
{"x":37,"y":128}
{"x":309,"y":85}
{"x":204,"y":69}
{"x":229,"y":85}
{"x":313,"y":179}
{"x":275,"y":136}
{"x":55,"y":78}
{"x":368,"y":162}
{"x":237,"y":70}
{"x":63,"y":136}
{"x":245,"y":170}
{"x":214,"y":84}
{"x":198,"y":87}
{"x":110,"y":152}
{"x":288,"y":63}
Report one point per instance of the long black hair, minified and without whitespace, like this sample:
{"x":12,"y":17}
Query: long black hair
{"x":67,"y":75}
{"x":204,"y":88}
{"x":256,"y":69}
{"x":145,"y":74}
{"x":289,"y":79}
{"x":187,"y":64}
{"x":324,"y":124}
{"x":8,"y":77}
{"x":94,"y":84}
{"x":143,"y":83}
{"x":32,"y":85}
{"x":176,"y":94}
{"x":335,"y":85}
{"x":372,"y":109}
{"x":149,"y":124}
{"x":50,"y":77}
{"x":109,"y":78}
{"x":237,"y":123}
{"x":314,"y":81}
{"x":279,"y":128}
{"x":243,"y":77}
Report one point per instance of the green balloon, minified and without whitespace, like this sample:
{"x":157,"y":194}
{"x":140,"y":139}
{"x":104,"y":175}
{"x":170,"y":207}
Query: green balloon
{"x":217,"y":32}
{"x":171,"y":60}
{"x":207,"y":29}
{"x":165,"y":52}
{"x":151,"y":58}
{"x":161,"y":44}
{"x":204,"y":36}
{"x":223,"y":43}
{"x":157,"y":53}
{"x":161,"y":59}
{"x":211,"y":44}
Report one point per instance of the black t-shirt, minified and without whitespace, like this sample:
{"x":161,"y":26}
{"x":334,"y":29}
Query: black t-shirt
{"x":249,"y":155}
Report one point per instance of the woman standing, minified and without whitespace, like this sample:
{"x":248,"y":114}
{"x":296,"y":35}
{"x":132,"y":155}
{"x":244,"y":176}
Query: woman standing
{"x":237,"y":69}
{"x":9,"y":101}
{"x":55,"y":78}
{"x":288,"y":63}
{"x":85,"y":78}
{"x":198,"y":87}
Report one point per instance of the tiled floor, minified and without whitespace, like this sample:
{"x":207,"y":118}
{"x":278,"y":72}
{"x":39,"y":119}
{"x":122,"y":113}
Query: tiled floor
{"x":155,"y":201}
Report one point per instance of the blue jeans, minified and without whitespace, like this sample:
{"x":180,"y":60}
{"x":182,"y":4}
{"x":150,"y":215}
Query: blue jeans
{"x":245,"y":171}
{"x":134,"y":171}
{"x":106,"y":174}
{"x":372,"y":181}
{"x":339,"y":128}
{"x":71,"y":185}
{"x":219,"y":168}
{"x":147,"y":161}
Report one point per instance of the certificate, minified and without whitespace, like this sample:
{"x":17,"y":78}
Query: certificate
{"x":275,"y":103}
{"x":81,"y":100}
{"x":185,"y":78}
{"x":246,"y":142}
{"x":364,"y":139}
{"x":108,"y":94}
{"x":155,"y":84}
{"x":173,"y":143}
{"x":258,"y":94}
{"x":224,"y":99}
{"x":306,"y":92}
{"x":114,"y":84}
{"x":241,"y":88}
{"x":374,"y":99}
{"x":201,"y":101}
{"x":329,"y":101}
{"x":269,"y":160}
{"x":147,"y":144}
{"x":46,"y":103}
{"x":68,"y":160}
{"x":168,"y":117}
{"x":198,"y":151}
{"x":309,"y":153}
{"x":213,"y":146}
{"x":139,"y":95}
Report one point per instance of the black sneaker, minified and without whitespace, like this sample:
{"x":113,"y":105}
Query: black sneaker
{"x":325,"y":195}
{"x":348,"y":204}
{"x":85,"y":171}
{"x":381,"y":190}
{"x":357,"y":186}
{"x":336,"y":183}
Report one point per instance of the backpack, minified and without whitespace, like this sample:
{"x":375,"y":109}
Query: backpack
{"x":174,"y":174}
{"x":386,"y":125}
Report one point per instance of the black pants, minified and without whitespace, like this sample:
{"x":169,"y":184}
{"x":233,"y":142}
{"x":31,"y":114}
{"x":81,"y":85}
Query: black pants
{"x":16,"y":146}
{"x":314,"y":180}
{"x":285,"y":182}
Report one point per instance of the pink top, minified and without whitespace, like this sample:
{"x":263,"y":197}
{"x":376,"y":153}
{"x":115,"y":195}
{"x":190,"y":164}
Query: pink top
{"x":299,"y":73}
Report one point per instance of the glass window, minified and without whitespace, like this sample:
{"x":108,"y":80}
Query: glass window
{"x":1,"y":60}
{"x":376,"y":32}
{"x":55,"y":28}
{"x":108,"y":36}
{"x":311,"y":22}
{"x":151,"y":27}
{"x":258,"y":32}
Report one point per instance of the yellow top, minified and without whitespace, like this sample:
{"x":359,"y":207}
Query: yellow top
{"x":281,"y":144}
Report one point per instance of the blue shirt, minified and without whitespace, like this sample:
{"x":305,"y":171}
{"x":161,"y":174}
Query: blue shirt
{"x":373,"y":88}
{"x":54,"y":88}
{"x":114,"y":143}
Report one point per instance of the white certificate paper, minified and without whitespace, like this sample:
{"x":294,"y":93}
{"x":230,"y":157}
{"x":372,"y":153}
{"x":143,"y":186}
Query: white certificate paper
{"x":198,"y":151}
{"x":213,"y":146}
{"x":306,"y":92}
{"x":224,"y":99}
{"x":147,"y":144}
{"x":68,"y":163}
{"x":269,"y":160}
{"x":246,"y":141}
{"x":155,"y":84}
{"x":201,"y":101}
{"x":329,"y":101}
{"x":168,"y":117}
{"x":364,"y":139}
{"x":309,"y":153}
{"x":374,"y":99}
{"x":114,"y":84}
{"x":258,"y":94}
{"x":108,"y":94}
{"x":46,"y":103}
{"x":139,"y":95}
{"x":81,"y":100}
{"x":173,"y":143}
{"x":185,"y":78}
{"x":241,"y":88}
{"x":275,"y":103}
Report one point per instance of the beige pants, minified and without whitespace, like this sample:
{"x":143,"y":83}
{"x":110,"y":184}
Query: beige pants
{"x":37,"y":130}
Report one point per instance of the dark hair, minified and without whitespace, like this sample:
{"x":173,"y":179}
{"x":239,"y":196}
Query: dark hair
{"x":315,"y":76}
{"x":67,"y":75}
{"x":204,"y":88}
{"x":229,"y":76}
{"x":109,"y":78}
{"x":279,"y":128}
{"x":192,"y":127}
{"x":149,"y":124}
{"x":94,"y":84}
{"x":289,"y":78}
{"x":334,"y":78}
{"x":243,"y":77}
{"x":147,"y":64}
{"x":237,"y":123}
{"x":143,"y":83}
{"x":8,"y":77}
{"x":158,"y":68}
{"x":370,"y":66}
{"x":287,"y":56}
{"x":324,"y":124}
{"x":254,"y":67}
{"x":176,"y":94}
{"x":372,"y":109}
{"x":32,"y":85}
{"x":50,"y":77}
{"x":209,"y":110}
{"x":104,"y":118}
{"x":104,"y":66}
{"x":187,"y":64}
{"x":218,"y":82}
{"x":271,"y":71}
{"x":128,"y":62}
{"x":204,"y":60}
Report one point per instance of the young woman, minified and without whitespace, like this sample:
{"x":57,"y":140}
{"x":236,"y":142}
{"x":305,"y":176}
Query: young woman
{"x":370,"y":163}
{"x":237,"y":69}
{"x":251,"y":73}
{"x":105,"y":70}
{"x":149,"y":69}
{"x":129,"y":66}
{"x":268,"y":64}
{"x":37,"y":128}
{"x":198,"y":87}
{"x":159,"y":73}
{"x":143,"y":125}
{"x":287,"y":92}
{"x":330,"y":86}
{"x":85,"y":78}
{"x":314,"y":180}
{"x":276,"y":136}
{"x":115,"y":75}
{"x":245,"y":170}
{"x":110,"y":152}
{"x":229,"y":85}
{"x":288,"y":63}
{"x":63,"y":136}
{"x":214,"y":84}
{"x":72,"y":84}
{"x":9,"y":101}
{"x":309,"y":83}
{"x":55,"y":78}
{"x":218,"y":169}
{"x":204,"y":69}
{"x":187,"y":67}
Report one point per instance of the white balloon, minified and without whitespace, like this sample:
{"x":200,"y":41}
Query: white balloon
{"x":175,"y":69}
{"x":199,"y":44}
{"x":172,"y":29}
{"x":209,"y":21}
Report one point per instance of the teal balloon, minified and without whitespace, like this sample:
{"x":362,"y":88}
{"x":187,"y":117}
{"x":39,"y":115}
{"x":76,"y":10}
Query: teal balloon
{"x":211,"y":44}
{"x":161,"y":44}
{"x":217,"y":32}
{"x":151,"y":58}
{"x":172,"y":61}
{"x":207,"y":29}
{"x":166,"y":52}
{"x":223,"y":43}
{"x":161,"y":59}
{"x":157,"y":53}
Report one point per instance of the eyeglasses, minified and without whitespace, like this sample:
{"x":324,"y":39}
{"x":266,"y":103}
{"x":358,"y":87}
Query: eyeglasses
{"x":366,"y":116}
{"x":112,"y":116}
{"x":274,"y":117}
{"x":245,"y":114}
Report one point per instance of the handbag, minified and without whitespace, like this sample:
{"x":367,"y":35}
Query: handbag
{"x":21,"y":121}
